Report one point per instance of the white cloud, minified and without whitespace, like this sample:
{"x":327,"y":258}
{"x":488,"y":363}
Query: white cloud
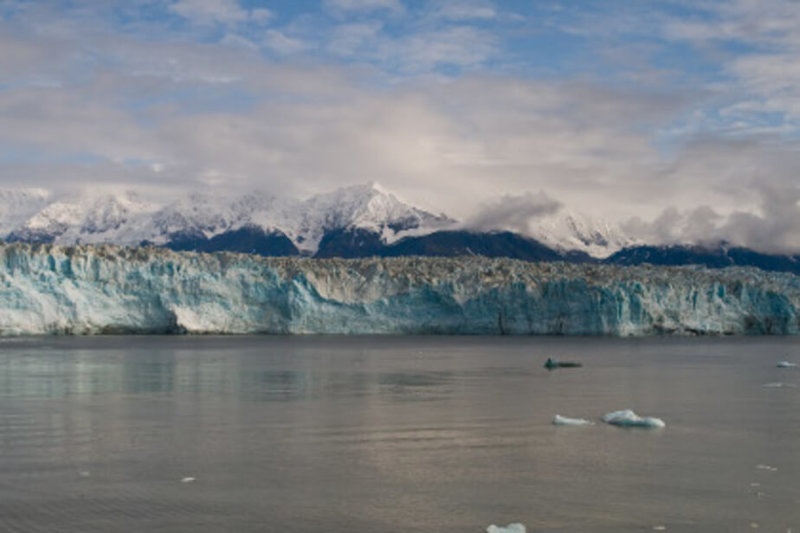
{"x":204,"y":12}
{"x":767,"y":78}
{"x":220,"y":114}
{"x":349,"y":38}
{"x":225,"y":12}
{"x":261,"y":15}
{"x":466,"y":9}
{"x":459,"y":46}
{"x":281,"y":43}
{"x":514,"y":213}
{"x":363,"y":5}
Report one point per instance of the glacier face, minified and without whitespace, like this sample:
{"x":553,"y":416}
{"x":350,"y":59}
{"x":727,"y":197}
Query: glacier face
{"x":50,"y":289}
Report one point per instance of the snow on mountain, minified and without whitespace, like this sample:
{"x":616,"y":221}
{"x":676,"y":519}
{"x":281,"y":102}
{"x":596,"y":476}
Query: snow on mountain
{"x":18,"y":205}
{"x":127,"y":219}
{"x":85,"y":217}
{"x":566,"y":231}
{"x":367,"y":207}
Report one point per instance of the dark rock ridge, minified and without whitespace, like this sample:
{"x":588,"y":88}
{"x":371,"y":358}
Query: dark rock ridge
{"x":358,"y":242}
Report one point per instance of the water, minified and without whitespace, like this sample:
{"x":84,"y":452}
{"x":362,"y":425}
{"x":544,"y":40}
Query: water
{"x":395,"y":434}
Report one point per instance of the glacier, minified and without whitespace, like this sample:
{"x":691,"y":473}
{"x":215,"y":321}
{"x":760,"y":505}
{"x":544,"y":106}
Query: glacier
{"x":96,"y":289}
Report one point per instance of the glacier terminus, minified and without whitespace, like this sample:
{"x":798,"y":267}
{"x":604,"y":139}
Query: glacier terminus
{"x":105,"y":289}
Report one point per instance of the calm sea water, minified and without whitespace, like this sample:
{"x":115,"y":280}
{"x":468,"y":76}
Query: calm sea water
{"x":395,"y":434}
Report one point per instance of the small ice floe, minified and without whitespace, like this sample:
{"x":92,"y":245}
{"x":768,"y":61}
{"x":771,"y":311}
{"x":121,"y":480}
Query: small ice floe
{"x":510,"y":528}
{"x":767,"y":468}
{"x":188,"y":480}
{"x":559,"y":420}
{"x":84,"y":473}
{"x":786,"y":364}
{"x":659,"y":528}
{"x":627,"y":418}
{"x":779,"y":385}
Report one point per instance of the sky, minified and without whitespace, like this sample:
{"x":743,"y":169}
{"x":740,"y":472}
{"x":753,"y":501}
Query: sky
{"x":679,"y":119}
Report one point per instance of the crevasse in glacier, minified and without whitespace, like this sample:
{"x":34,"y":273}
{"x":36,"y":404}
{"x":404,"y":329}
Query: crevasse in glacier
{"x":48,"y":289}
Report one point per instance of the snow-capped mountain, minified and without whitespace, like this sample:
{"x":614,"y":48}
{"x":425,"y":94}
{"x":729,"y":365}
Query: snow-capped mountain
{"x":18,"y":205}
{"x":364,"y":207}
{"x":87,"y":217}
{"x":569,"y":231}
{"x":128,"y":219}
{"x":358,"y":221}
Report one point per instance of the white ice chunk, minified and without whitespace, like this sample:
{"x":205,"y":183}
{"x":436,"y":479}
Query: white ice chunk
{"x":786,"y":364}
{"x":627,"y":418}
{"x":559,"y":420}
{"x":188,"y":480}
{"x":510,"y":528}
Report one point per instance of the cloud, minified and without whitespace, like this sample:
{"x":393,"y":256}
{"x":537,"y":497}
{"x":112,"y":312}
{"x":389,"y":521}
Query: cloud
{"x":457,"y":46}
{"x":513,"y":213}
{"x":466,"y":10}
{"x":204,"y":12}
{"x":283,"y":44}
{"x":763,"y":79}
{"x":223,"y":12}
{"x":363,"y":5}
{"x":349,"y":38}
{"x":440,"y":110}
{"x":770,"y":228}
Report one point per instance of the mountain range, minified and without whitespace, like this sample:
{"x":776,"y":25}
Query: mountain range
{"x":357,"y":221}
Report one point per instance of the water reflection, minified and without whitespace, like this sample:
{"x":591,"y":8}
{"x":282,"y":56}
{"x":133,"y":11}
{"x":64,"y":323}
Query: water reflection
{"x":256,"y":376}
{"x":448,"y":438}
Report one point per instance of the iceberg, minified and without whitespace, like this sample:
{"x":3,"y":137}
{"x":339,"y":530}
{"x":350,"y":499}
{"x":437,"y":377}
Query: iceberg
{"x":779,"y":385}
{"x":510,"y":528}
{"x":786,"y":364}
{"x":627,"y":418}
{"x":96,"y":289}
{"x":559,"y":420}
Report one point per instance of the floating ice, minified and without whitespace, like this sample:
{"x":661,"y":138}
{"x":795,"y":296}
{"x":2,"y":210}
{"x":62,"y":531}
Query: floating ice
{"x":188,"y":480}
{"x":767,"y":468}
{"x":779,"y":385}
{"x":559,"y":420}
{"x":510,"y":528}
{"x":786,"y":364}
{"x":627,"y":418}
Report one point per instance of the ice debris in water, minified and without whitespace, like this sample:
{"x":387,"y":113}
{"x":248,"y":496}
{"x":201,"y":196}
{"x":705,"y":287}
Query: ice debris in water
{"x":779,"y":385}
{"x":786,"y":364}
{"x":627,"y":418}
{"x":559,"y":420}
{"x":187,"y":480}
{"x":767,"y":467}
{"x":510,"y":528}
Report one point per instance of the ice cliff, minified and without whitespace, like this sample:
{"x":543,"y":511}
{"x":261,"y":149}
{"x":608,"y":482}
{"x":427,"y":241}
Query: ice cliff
{"x":49,"y":289}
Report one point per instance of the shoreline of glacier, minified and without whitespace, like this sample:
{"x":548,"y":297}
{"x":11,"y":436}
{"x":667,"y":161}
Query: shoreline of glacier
{"x":105,"y":289}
